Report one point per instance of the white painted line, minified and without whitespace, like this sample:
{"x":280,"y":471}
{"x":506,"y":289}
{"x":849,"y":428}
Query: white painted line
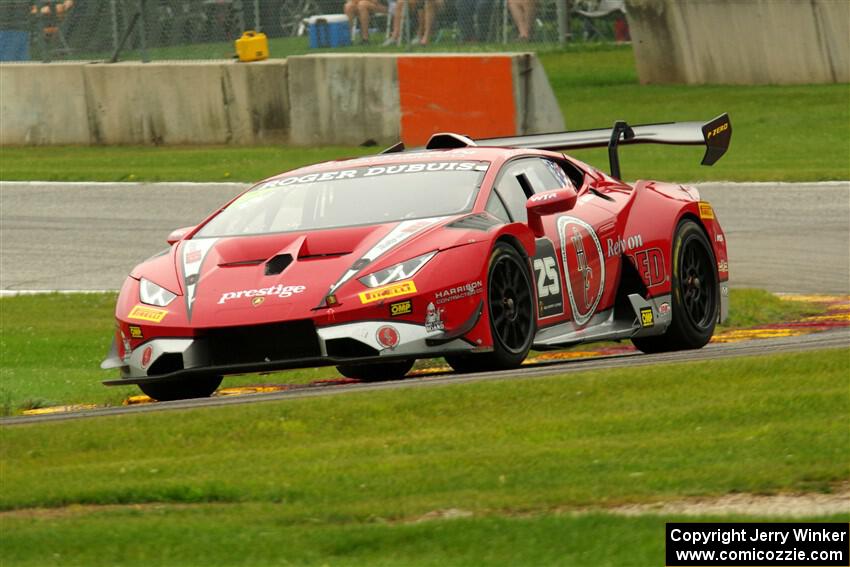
{"x":16,"y":292}
{"x":127,"y":184}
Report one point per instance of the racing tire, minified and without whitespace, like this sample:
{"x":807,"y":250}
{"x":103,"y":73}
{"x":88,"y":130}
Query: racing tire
{"x":510,"y":306}
{"x":378,"y":371}
{"x":187,"y":388}
{"x":696,"y":294}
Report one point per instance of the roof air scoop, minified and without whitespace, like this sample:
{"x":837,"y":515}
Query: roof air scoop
{"x":278,"y":264}
{"x":448,"y":141}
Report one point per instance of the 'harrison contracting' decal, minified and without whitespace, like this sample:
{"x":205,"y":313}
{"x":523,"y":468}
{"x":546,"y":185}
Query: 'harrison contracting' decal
{"x":396,"y":236}
{"x":193,"y":254}
{"x":584,"y":266}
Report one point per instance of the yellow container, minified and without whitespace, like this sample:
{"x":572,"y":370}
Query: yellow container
{"x":252,"y":46}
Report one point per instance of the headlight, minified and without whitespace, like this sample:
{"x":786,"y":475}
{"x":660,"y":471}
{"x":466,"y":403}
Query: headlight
{"x":398,"y":272}
{"x":153,"y":294}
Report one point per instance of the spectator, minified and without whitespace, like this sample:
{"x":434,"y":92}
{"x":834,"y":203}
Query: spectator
{"x":362,"y":9}
{"x":426,"y":17}
{"x":473,"y":19}
{"x":522,"y":12}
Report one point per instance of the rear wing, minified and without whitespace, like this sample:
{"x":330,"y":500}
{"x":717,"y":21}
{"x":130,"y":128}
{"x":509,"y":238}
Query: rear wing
{"x":714,"y":135}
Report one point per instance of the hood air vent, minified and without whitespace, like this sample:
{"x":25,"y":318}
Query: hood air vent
{"x":278,"y":264}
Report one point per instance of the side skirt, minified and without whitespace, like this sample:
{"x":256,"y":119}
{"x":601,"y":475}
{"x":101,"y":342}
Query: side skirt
{"x":651,"y":317}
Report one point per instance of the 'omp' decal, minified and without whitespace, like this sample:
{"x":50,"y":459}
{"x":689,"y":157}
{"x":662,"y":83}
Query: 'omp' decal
{"x":584,"y":266}
{"x":193,"y":254}
{"x":396,"y":236}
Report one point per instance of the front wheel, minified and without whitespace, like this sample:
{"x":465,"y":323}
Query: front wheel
{"x":695,"y":288}
{"x":378,"y":371}
{"x":510,"y":306}
{"x":198,"y":387}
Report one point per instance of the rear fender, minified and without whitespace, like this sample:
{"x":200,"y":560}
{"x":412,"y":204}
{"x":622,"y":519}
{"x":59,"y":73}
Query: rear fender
{"x":647,"y":238}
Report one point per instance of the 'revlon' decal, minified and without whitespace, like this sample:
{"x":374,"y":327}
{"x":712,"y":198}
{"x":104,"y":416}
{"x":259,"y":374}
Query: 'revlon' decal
{"x":584,"y":266}
{"x":193,"y":254}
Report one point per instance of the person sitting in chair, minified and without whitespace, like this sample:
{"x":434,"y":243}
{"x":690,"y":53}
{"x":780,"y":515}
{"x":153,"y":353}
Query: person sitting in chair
{"x":426,"y":17}
{"x":522,"y":12}
{"x":362,"y":9}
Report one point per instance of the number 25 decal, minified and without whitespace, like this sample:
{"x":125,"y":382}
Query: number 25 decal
{"x":547,"y":276}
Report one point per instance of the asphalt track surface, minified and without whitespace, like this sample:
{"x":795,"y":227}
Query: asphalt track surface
{"x":838,"y":338}
{"x":784,"y":237}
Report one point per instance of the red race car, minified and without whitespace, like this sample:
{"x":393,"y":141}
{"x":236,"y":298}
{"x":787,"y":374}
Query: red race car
{"x":476,"y":251}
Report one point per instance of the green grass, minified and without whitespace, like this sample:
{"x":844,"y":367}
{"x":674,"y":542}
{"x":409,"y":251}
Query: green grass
{"x":254,"y":535}
{"x":781,"y":133}
{"x":51,"y":347}
{"x":334,"y":480}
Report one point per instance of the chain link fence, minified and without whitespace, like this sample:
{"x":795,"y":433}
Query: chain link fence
{"x":158,"y":30}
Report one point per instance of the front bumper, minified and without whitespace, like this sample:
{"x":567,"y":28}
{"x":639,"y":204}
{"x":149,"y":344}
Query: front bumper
{"x":246,"y":350}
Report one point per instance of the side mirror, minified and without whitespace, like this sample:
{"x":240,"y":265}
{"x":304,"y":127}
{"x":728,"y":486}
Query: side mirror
{"x":178,"y":234}
{"x":548,"y":203}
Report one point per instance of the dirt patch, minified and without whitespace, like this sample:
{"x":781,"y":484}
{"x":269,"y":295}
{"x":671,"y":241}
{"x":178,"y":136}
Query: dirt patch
{"x":783,"y":505}
{"x":75,"y":510}
{"x":791,"y":505}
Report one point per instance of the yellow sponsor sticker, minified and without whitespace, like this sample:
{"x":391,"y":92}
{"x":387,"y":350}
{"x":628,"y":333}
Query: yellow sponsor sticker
{"x":388,"y":291}
{"x":136,"y":332}
{"x":401,"y":308}
{"x":705,"y":211}
{"x":143,"y":313}
{"x":646,"y":318}
{"x":722,"y":128}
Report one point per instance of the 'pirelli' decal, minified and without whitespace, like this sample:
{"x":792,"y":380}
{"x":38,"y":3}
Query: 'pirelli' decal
{"x":388,"y":291}
{"x":143,"y":313}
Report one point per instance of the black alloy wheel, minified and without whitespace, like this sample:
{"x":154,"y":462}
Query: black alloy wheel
{"x":695,"y":290}
{"x":510,"y":304}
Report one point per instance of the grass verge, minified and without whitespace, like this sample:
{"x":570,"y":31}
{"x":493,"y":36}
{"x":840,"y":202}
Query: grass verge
{"x":51,"y":347}
{"x":334,"y":480}
{"x":782,"y":133}
{"x":253,"y":535}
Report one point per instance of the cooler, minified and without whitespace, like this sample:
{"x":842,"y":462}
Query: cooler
{"x":328,"y":30}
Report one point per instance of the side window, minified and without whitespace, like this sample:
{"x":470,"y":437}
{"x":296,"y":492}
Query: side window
{"x":545,"y":175}
{"x":537,"y":175}
{"x":512,"y":193}
{"x":496,"y":208}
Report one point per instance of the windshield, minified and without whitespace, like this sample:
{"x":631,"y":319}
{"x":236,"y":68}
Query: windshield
{"x":365,"y":195}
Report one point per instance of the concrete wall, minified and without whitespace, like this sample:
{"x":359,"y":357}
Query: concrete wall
{"x":354,"y":98}
{"x":308,"y":100}
{"x":741,"y":41}
{"x":154,"y":103}
{"x":344,"y":99}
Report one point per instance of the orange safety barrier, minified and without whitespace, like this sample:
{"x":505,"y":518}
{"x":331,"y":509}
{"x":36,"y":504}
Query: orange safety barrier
{"x":471,"y":95}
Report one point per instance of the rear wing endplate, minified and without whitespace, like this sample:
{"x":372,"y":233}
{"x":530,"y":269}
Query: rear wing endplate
{"x":714,"y":135}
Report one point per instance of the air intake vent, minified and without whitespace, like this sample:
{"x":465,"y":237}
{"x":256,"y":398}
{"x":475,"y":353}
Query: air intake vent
{"x":278,"y":264}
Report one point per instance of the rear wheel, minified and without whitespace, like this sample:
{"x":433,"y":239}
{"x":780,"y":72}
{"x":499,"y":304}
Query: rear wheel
{"x":198,"y":387}
{"x":377,"y":371}
{"x":695,"y":289}
{"x":510,"y":304}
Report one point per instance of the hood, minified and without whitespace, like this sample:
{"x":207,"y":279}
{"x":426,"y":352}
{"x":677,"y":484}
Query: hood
{"x":264,"y":278}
